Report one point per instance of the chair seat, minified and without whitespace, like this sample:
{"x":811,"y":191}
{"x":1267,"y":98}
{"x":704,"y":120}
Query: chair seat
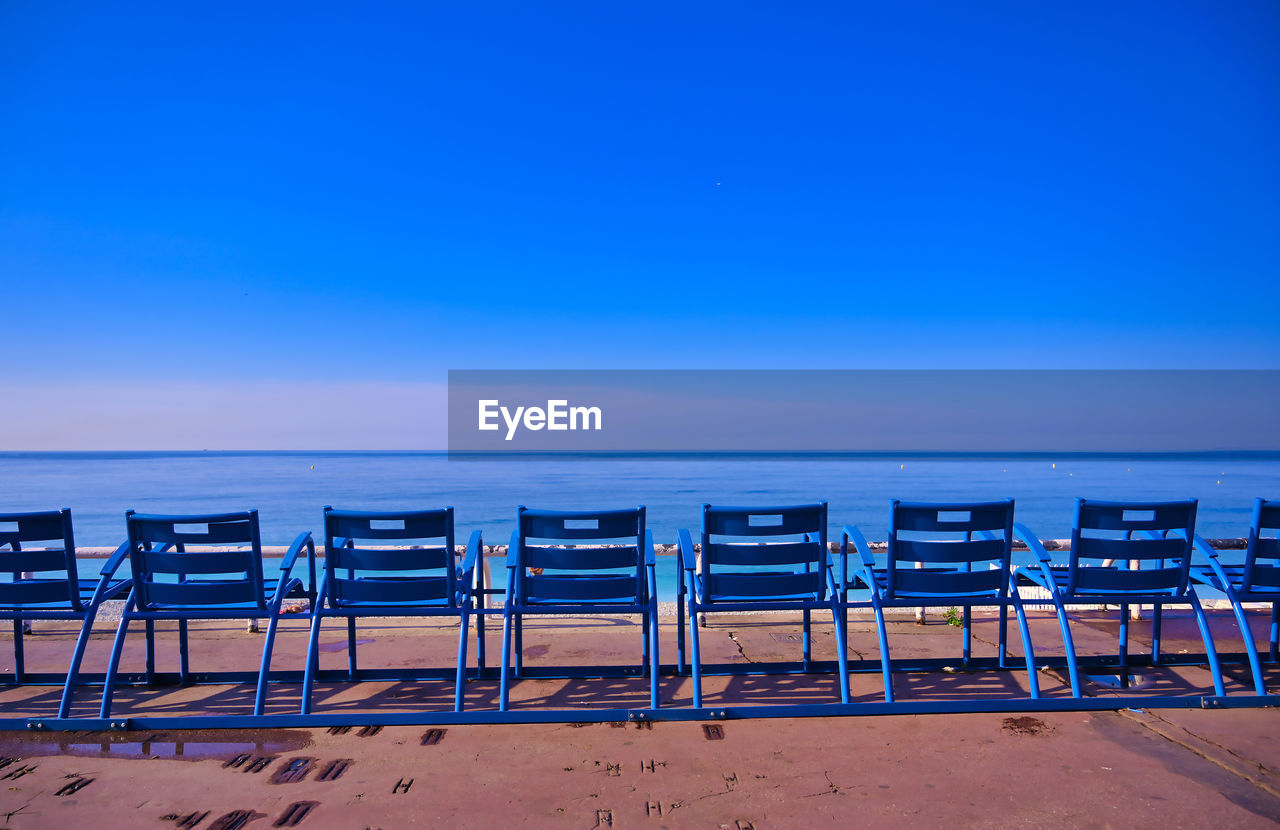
{"x":1061,"y":578}
{"x":706,"y":599}
{"x":62,"y":610}
{"x":1235,"y":579}
{"x":294,"y":590}
{"x":771,"y":587}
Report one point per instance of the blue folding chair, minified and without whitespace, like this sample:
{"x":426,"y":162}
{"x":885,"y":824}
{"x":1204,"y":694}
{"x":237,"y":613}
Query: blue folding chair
{"x":182,"y":571}
{"x":1157,"y":534}
{"x":1256,"y":580}
{"x":392,"y":564}
{"x":950,"y":555}
{"x":39,"y":580}
{"x":580,"y":562}
{"x":759,"y":559}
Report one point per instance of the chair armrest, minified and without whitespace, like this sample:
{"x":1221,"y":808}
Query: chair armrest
{"x":686,"y":558}
{"x":512,"y":546}
{"x":114,"y":562}
{"x":1032,"y":541}
{"x":1217,"y":572}
{"x":1199,"y":543}
{"x":475,"y":550}
{"x":303,"y":540}
{"x":651,"y":569}
{"x":104,"y":589}
{"x":852,"y":534}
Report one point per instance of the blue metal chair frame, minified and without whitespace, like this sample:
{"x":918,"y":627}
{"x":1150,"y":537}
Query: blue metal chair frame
{"x":1257,"y":580}
{"x":580,"y":562}
{"x":171,"y":582}
{"x":736,"y":544}
{"x":375,"y":579}
{"x":1157,"y":533}
{"x":959,"y":556}
{"x":43,"y":544}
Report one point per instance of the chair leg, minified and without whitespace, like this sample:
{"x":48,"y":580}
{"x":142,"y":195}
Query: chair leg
{"x":1033,"y":677}
{"x":844,"y":615}
{"x":1003,"y":644}
{"x":519,"y":655}
{"x":481,"y":651}
{"x":1069,"y":646}
{"x":644,"y":644}
{"x":151,"y":651}
{"x":653,"y":653}
{"x":808,"y":640}
{"x":1275,"y":632}
{"x":73,"y":672}
{"x":504,"y":682}
{"x":460,"y":680}
{"x":109,"y":682}
{"x":351,"y":648}
{"x":1251,"y":649}
{"x":313,"y":660}
{"x":19,"y":661}
{"x":1124,"y":645}
{"x":886,"y":665}
{"x":842,"y":657}
{"x":695,"y":658}
{"x":1157,"y":613}
{"x":264,"y":672}
{"x":680,"y":598}
{"x":184,"y":663}
{"x":1210,"y":651}
{"x":966,"y":617}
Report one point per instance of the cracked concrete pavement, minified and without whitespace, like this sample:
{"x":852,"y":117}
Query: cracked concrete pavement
{"x":1161,"y":767}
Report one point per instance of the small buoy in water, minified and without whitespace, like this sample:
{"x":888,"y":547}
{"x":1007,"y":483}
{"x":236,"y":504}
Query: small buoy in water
{"x":313,"y":466}
{"x":902,"y":466}
{"x":1055,"y":466}
{"x":1219,"y":481}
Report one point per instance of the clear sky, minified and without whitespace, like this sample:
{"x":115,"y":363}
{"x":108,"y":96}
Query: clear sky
{"x":199,"y":202}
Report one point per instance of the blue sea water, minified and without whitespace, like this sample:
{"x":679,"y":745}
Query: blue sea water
{"x":290,"y":488}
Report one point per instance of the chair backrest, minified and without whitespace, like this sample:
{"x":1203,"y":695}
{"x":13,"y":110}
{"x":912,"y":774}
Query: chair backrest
{"x":963,"y":550}
{"x":764,"y":553}
{"x":41,"y":544}
{"x":390,"y":558}
{"x":183,"y":561}
{"x":1262,"y":558}
{"x":581,"y":557}
{"x":1159,"y":535}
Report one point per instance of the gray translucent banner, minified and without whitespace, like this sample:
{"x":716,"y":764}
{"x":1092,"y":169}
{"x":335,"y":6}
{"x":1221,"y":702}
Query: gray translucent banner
{"x":817,"y":412}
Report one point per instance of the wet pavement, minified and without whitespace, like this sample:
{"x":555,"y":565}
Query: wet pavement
{"x":1123,"y":767}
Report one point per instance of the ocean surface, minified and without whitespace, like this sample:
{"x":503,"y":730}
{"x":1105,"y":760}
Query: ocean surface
{"x":290,"y":488}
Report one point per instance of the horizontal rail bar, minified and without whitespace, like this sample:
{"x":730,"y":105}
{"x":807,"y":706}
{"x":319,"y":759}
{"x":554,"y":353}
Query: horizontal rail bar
{"x":715,"y":713}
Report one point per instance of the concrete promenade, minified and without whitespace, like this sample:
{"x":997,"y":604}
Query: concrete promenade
{"x":1117,"y":768}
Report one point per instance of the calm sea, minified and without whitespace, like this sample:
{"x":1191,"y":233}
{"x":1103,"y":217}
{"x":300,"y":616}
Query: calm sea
{"x":290,"y":488}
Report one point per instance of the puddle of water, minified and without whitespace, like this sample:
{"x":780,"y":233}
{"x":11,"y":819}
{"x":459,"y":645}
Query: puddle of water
{"x":178,"y":744}
{"x":329,"y":648}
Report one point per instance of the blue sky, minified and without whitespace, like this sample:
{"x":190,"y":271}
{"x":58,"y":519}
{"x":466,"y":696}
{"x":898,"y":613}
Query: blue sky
{"x":228,"y":198}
